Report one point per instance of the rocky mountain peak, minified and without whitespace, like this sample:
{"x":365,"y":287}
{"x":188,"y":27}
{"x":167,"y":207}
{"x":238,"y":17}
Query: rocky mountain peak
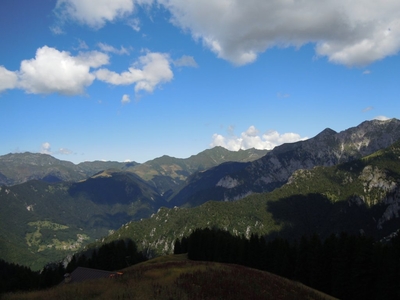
{"x":327,"y":132}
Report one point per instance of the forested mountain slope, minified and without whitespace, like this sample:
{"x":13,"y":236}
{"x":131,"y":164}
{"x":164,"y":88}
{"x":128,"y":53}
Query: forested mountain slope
{"x":359,"y":197}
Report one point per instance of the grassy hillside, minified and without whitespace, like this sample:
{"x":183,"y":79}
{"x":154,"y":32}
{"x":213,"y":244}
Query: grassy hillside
{"x":175,"y":277}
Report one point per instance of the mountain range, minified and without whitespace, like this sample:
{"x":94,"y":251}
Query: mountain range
{"x":57,"y":207}
{"x":232,"y":181}
{"x":357,"y":197}
{"x":346,"y":181}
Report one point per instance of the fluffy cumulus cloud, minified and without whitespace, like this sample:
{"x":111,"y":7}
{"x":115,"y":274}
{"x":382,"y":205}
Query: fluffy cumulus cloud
{"x":94,"y":13}
{"x":8,"y":79}
{"x":150,"y":71}
{"x":349,"y":33}
{"x":53,"y":71}
{"x":252,"y":138}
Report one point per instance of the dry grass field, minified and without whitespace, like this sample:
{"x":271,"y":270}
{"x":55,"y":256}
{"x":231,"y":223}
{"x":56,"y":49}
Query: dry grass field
{"x":176,"y":277}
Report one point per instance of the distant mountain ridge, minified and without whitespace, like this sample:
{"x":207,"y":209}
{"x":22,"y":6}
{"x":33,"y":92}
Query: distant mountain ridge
{"x":16,"y":168}
{"x":164,"y":172}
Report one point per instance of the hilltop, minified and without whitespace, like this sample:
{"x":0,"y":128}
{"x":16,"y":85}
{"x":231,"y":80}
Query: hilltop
{"x":176,"y":277}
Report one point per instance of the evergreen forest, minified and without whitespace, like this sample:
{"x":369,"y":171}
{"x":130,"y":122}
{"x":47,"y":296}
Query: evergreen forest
{"x":344,"y":266}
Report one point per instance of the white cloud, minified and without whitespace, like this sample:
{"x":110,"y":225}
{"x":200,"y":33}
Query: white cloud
{"x":186,"y":61}
{"x":57,"y":30}
{"x":350,"y":33}
{"x":366,"y":72}
{"x":8,"y":79}
{"x":368,"y":108}
{"x":82,"y":45}
{"x":125,"y":99}
{"x":53,"y":71}
{"x":64,"y":151}
{"x":46,"y":148}
{"x":381,"y":118}
{"x":252,"y":139}
{"x":93,"y":59}
{"x":109,"y":48}
{"x":94,"y":13}
{"x":134,"y":24}
{"x":150,"y":71}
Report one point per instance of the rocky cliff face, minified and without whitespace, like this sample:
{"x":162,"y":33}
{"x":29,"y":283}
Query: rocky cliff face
{"x":326,"y":149}
{"x":378,"y":188}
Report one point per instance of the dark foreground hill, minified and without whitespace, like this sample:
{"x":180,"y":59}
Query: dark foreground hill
{"x":175,"y":277}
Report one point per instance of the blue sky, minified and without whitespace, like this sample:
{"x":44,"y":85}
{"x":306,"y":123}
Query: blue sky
{"x":120,"y":80}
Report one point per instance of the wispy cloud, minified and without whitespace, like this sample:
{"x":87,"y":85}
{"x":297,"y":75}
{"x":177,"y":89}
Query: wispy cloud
{"x":64,"y":151}
{"x":57,"y":30}
{"x":82,"y":45}
{"x":134,"y":24}
{"x":108,"y":48}
{"x":186,"y":61}
{"x":368,"y":108}
{"x":46,"y":149}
